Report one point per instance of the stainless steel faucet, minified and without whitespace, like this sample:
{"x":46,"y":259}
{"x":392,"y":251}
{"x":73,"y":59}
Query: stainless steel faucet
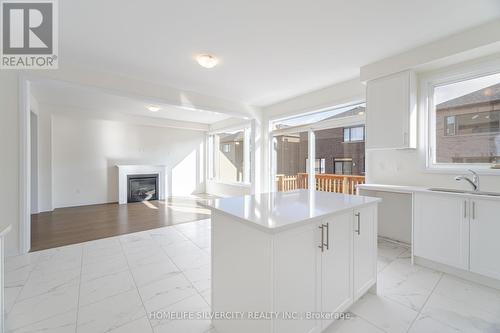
{"x":474,"y":181}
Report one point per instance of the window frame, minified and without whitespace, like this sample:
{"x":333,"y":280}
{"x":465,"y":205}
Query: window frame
{"x":349,"y":128}
{"x":428,"y":82}
{"x":213,"y":150}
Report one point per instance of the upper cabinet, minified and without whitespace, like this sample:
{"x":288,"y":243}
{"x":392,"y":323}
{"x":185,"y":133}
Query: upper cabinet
{"x":391,"y":117}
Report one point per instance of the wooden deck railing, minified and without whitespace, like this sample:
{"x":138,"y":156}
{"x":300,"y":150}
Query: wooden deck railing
{"x":324,"y":182}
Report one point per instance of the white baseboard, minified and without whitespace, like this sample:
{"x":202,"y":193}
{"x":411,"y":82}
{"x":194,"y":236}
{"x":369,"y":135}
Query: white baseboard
{"x":466,"y":275}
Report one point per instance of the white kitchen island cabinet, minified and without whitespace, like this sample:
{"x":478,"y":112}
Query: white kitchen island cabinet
{"x":289,"y":261}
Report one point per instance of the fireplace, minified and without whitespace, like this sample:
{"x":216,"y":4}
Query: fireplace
{"x":142,"y":187}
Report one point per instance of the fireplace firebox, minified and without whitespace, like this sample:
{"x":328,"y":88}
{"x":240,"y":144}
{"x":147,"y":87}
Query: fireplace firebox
{"x":142,"y":187}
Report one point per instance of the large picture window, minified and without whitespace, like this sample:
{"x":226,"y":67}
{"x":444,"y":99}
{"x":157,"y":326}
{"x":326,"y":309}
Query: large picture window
{"x":333,"y":139}
{"x":465,"y":121}
{"x":229,"y":156}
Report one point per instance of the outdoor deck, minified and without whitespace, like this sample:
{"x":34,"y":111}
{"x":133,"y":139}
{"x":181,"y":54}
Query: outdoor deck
{"x":324,"y":182}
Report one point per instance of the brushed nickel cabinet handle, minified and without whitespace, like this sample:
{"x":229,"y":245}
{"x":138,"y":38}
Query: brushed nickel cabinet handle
{"x":465,"y":208}
{"x":327,"y":235}
{"x":473,"y":210}
{"x":358,"y":216}
{"x":322,"y":239}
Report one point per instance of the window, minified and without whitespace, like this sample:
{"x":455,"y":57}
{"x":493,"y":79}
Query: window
{"x":291,"y":153}
{"x":229,"y":156}
{"x":353,"y":134}
{"x":319,"y":165}
{"x":338,"y":113}
{"x":473,"y":123}
{"x":343,"y":166}
{"x":291,"y":156}
{"x":465,"y":121}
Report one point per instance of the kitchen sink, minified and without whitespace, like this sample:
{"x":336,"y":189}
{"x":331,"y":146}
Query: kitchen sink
{"x":450,"y":190}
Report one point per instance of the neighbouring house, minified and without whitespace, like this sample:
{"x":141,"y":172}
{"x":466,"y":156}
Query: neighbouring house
{"x":468,"y":128}
{"x":338,"y":150}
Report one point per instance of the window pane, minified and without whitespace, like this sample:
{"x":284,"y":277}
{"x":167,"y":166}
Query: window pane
{"x":291,"y":161}
{"x":450,"y":125}
{"x":210,"y":157}
{"x":231,"y":156}
{"x":467,"y":121}
{"x":347,"y":134}
{"x":357,"y":134}
{"x":334,"y":113}
{"x":329,"y":146}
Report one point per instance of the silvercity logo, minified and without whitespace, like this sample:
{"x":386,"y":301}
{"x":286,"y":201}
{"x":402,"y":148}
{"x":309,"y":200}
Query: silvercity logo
{"x":29,"y":37}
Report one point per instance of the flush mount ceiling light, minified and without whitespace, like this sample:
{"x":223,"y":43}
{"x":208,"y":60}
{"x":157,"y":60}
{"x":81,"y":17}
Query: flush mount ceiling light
{"x":153,"y":108}
{"x":207,"y":60}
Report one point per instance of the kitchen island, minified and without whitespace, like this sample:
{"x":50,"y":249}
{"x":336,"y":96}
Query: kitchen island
{"x":290,"y":261}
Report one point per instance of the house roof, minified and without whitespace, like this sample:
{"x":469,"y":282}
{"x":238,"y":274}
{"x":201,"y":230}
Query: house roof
{"x":484,"y":95}
{"x":239,"y":136}
{"x":348,"y":113}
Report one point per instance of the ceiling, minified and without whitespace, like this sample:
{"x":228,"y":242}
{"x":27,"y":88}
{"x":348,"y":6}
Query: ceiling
{"x":269,"y":50}
{"x":83,"y":98}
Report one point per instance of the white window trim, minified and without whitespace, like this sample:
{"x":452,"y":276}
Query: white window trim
{"x":212,"y":174}
{"x":427,"y":109}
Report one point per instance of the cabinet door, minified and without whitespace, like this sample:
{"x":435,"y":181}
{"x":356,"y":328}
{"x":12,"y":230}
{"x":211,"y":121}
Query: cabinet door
{"x":391,"y":112}
{"x":336,"y":276}
{"x":441,"y":229}
{"x":484,"y":237}
{"x":364,"y":227}
{"x":297,"y":277}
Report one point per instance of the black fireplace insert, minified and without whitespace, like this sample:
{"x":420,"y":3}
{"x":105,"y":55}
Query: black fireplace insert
{"x":142,"y":187}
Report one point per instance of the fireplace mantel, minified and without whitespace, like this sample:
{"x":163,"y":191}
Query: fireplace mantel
{"x":126,"y":170}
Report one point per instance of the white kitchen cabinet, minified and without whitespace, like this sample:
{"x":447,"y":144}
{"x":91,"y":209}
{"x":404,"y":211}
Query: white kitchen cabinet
{"x":441,"y":229}
{"x":364,"y":242}
{"x":336,"y":275}
{"x":484,"y":234}
{"x":391,"y":112}
{"x":297,"y":276}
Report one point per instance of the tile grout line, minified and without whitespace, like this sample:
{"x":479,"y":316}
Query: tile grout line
{"x":136,"y":287}
{"x":181,"y":270}
{"x":27,"y":279}
{"x":427,"y":300}
{"x":78,"y":295}
{"x":41,"y":320}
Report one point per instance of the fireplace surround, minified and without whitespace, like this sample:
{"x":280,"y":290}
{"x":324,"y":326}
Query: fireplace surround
{"x":124,"y":171}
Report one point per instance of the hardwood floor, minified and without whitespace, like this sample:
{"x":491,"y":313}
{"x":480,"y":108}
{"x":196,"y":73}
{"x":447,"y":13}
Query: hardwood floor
{"x":72,"y":225}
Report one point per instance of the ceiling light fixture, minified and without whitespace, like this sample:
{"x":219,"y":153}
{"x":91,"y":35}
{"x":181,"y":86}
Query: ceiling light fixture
{"x":153,"y":108}
{"x":207,"y":60}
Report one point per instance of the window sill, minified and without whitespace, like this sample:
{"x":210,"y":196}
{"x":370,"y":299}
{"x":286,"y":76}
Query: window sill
{"x":222,"y":182}
{"x":453,"y":170}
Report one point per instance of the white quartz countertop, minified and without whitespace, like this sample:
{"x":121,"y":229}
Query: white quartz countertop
{"x":277,"y":211}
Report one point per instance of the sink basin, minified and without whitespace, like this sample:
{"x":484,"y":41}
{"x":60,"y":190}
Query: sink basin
{"x":450,"y":190}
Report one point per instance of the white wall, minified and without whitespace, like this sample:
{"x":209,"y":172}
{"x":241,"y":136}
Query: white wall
{"x":9,"y":157}
{"x":85,"y":152}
